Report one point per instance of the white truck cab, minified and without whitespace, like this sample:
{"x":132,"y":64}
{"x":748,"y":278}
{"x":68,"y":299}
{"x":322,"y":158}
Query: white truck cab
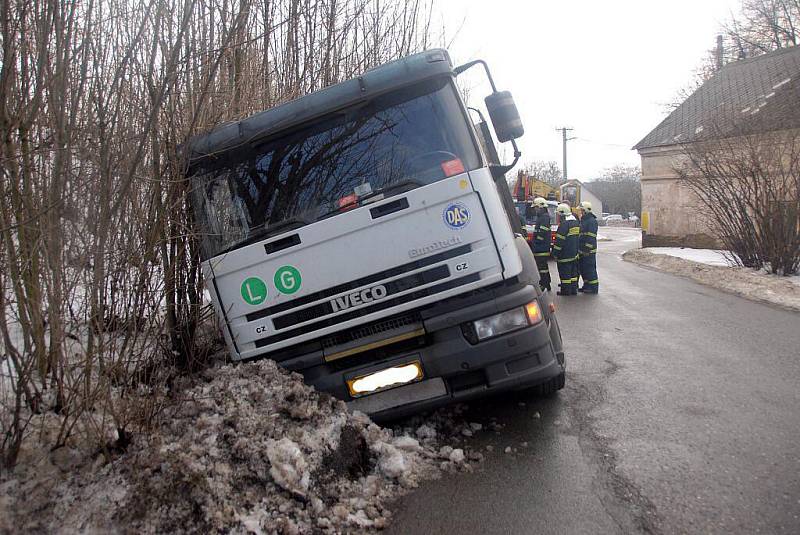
{"x":361,"y":236}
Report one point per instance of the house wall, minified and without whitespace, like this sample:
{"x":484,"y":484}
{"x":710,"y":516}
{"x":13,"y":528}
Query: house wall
{"x":671,"y":216}
{"x":597,"y":204}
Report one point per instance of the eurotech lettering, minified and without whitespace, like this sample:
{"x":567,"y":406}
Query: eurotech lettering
{"x":435,"y":246}
{"x":367,"y":295}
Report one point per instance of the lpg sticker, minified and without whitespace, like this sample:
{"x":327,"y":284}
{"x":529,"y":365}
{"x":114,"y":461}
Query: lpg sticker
{"x":456,"y":215}
{"x":287,"y":279}
{"x":254,"y":291}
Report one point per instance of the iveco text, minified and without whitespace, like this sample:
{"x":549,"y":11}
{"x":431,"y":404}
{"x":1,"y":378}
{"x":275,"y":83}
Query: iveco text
{"x":364,"y":236}
{"x":367,"y":295}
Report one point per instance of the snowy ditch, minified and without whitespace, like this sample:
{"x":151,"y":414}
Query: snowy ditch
{"x":249,"y":449}
{"x":713,"y":269}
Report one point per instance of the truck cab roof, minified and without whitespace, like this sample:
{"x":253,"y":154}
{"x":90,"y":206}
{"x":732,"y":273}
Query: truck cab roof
{"x":376,"y":81}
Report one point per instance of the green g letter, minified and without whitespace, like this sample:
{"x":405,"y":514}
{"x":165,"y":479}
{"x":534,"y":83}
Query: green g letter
{"x":287,"y":279}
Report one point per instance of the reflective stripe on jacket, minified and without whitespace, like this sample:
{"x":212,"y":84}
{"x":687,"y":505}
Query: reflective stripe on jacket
{"x":588,"y":238}
{"x":567,"y":235}
{"x":541,"y":239}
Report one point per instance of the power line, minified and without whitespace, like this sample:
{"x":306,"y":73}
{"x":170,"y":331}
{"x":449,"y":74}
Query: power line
{"x":620,"y":145}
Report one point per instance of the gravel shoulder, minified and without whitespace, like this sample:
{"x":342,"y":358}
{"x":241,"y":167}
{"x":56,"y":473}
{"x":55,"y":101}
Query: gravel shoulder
{"x":743,"y":282}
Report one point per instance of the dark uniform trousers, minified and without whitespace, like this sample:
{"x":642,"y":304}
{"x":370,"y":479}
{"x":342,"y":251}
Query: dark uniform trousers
{"x":587,"y":260}
{"x":544,"y":269}
{"x":568,"y":273}
{"x":541,"y":249}
{"x":587,"y":264}
{"x":566,"y":252}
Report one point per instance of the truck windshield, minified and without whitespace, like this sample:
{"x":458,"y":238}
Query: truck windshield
{"x":416,"y":136}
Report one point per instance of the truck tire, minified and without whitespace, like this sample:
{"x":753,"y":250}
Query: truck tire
{"x":552,"y":386}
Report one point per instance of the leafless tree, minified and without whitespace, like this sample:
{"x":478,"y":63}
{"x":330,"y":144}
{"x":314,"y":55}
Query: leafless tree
{"x":548,"y":172}
{"x":763,"y":26}
{"x":620,"y":189}
{"x":99,"y":269}
{"x":760,"y":26}
{"x":748,"y":187}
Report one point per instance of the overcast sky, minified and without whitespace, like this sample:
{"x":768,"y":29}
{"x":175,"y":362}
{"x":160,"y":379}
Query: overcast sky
{"x":604,"y":68}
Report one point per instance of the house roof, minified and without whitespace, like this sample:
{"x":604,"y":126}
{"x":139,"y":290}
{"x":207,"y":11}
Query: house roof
{"x":750,"y":96}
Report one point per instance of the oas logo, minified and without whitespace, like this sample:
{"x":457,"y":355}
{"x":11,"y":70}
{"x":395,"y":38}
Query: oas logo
{"x":456,"y":215}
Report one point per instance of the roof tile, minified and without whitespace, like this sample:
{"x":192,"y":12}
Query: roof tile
{"x":760,"y":94}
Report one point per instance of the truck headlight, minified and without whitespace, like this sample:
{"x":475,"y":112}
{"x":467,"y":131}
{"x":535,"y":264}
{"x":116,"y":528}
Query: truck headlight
{"x":504,"y":322}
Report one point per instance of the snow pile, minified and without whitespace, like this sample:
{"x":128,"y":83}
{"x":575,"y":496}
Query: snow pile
{"x":711,"y":257}
{"x":754,"y":285}
{"x":248,"y":448}
{"x":449,"y":425}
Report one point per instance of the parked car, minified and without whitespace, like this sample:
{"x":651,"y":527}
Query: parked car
{"x":614,"y":217}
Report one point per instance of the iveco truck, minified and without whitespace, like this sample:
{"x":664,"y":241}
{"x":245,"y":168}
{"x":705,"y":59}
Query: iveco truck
{"x":364,"y":236}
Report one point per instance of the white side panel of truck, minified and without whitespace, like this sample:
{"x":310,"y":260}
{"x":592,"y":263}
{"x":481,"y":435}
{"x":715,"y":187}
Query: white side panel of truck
{"x":483,"y":184}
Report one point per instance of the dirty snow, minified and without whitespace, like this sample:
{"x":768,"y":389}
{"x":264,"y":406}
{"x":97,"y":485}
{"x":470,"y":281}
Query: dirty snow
{"x":711,"y":257}
{"x":744,"y":282}
{"x":243,"y":448}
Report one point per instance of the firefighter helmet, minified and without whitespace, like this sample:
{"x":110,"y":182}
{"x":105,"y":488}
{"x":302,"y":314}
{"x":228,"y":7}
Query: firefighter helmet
{"x":563,"y":209}
{"x":539,"y":202}
{"x":586,"y":206}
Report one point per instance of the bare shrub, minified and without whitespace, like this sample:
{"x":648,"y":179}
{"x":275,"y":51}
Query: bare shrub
{"x":748,"y":185}
{"x":99,"y":270}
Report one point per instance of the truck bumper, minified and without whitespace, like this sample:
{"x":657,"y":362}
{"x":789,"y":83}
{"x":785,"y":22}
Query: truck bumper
{"x":457,"y":370}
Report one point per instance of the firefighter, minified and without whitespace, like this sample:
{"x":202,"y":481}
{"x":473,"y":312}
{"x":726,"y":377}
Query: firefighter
{"x":565,"y":250}
{"x":540,"y":243}
{"x":587,"y":250}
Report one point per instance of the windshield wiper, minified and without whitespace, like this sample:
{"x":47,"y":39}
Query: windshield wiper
{"x":391,"y":187}
{"x":381,"y":191}
{"x":270,"y":230}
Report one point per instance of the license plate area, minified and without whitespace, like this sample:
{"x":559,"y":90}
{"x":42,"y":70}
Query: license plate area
{"x":424,"y":390}
{"x":385,"y":379}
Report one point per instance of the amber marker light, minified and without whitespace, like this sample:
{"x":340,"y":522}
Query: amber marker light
{"x":534,"y":312}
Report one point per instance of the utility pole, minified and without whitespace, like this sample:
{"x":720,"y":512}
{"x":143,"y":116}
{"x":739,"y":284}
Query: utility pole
{"x":564,"y":138}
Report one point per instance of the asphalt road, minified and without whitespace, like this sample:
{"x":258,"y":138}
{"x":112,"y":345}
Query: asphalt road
{"x":681,"y":415}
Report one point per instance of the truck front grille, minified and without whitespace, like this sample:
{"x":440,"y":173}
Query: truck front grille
{"x":359,"y":283}
{"x":370,"y":329}
{"x":393,"y":287}
{"x":380,"y":305}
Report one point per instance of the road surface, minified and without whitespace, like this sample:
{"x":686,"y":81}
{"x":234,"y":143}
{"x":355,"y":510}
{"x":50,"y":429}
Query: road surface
{"x":681,"y":415}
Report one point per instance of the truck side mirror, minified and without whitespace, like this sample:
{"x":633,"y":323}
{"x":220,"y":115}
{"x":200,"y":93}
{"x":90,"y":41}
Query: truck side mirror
{"x":505,"y":117}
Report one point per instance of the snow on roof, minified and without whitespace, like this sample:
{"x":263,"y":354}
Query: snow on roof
{"x":767,"y":85}
{"x":783,"y":82}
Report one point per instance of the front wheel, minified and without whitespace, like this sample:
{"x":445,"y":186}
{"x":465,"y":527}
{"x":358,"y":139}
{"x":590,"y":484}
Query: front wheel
{"x":552,"y":386}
